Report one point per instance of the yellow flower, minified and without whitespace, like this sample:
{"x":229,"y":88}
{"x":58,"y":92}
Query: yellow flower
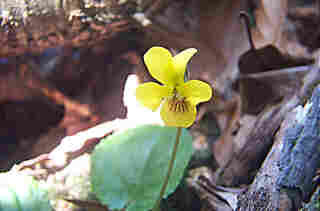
{"x":178,"y":99}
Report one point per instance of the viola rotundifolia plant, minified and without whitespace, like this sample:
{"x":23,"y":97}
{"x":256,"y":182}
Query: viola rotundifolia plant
{"x":178,"y":98}
{"x":136,"y":168}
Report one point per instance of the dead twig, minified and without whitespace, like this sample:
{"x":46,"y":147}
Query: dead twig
{"x":70,"y":148}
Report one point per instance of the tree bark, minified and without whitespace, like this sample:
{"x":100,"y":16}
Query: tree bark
{"x":32,"y":26}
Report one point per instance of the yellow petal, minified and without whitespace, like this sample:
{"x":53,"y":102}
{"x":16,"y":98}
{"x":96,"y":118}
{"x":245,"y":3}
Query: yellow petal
{"x":195,"y":91}
{"x":176,"y":118}
{"x":151,"y":94}
{"x":159,"y":63}
{"x":180,"y":62}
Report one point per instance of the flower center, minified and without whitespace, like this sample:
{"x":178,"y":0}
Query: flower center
{"x":178,"y":104}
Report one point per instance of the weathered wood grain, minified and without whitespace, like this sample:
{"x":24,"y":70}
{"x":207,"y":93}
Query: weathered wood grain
{"x":259,"y":140}
{"x":32,"y":26}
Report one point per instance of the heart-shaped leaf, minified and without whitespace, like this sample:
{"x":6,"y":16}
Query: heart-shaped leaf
{"x":128,"y":168}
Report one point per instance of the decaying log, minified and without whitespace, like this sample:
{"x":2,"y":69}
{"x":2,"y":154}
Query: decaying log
{"x":260,"y":138}
{"x":286,"y":177}
{"x":32,"y":26}
{"x":66,"y":170}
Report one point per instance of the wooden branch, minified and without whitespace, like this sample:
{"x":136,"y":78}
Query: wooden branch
{"x":286,"y":177}
{"x":260,"y":138}
{"x":70,"y":148}
{"x":32,"y":26}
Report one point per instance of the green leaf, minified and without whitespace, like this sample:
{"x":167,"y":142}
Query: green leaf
{"x":128,"y":168}
{"x":22,"y":193}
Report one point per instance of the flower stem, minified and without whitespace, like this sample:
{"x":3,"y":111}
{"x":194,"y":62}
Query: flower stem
{"x":166,"y":181}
